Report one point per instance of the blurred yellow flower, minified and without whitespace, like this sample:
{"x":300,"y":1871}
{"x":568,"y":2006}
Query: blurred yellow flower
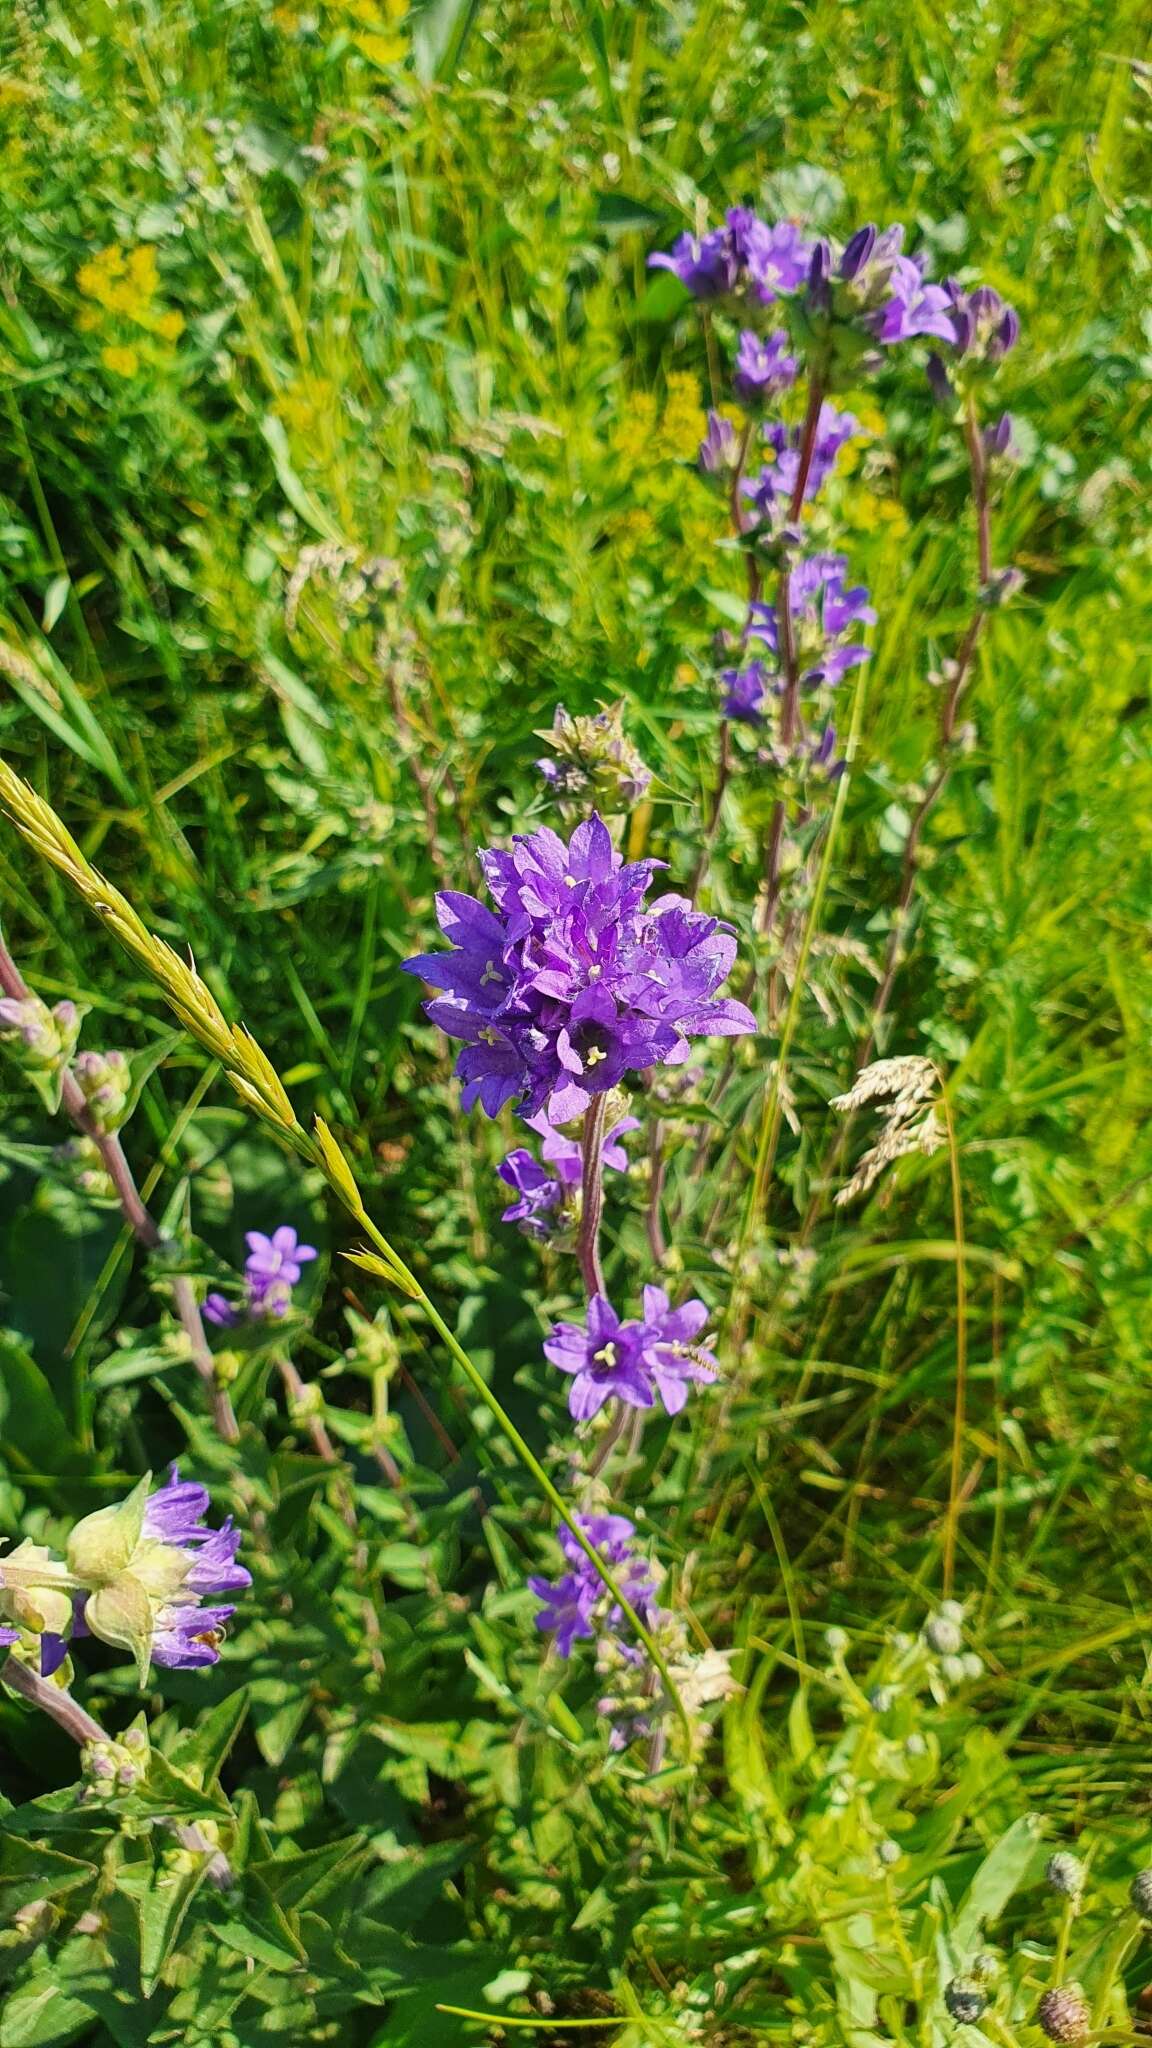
{"x":124,"y":282}
{"x":381,"y":49}
{"x":683,"y":424}
{"x":124,"y":361}
{"x":633,"y":437}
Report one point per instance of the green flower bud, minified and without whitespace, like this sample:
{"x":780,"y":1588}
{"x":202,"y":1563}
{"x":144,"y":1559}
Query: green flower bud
{"x":103,"y":1545}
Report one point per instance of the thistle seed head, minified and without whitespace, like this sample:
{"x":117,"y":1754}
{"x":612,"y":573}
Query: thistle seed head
{"x":1064,"y":2014}
{"x":966,"y":2000}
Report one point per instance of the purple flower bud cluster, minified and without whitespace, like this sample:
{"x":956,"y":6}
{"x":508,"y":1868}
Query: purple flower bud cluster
{"x":46,"y":1037}
{"x":825,"y":617}
{"x":271,"y":1271}
{"x":763,"y":368}
{"x":543,"y":1186}
{"x":573,"y":980}
{"x":577,"y":1605}
{"x":633,"y":1362}
{"x":770,"y":493}
{"x":744,"y":258}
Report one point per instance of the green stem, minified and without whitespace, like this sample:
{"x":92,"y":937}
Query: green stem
{"x":523,"y":1450}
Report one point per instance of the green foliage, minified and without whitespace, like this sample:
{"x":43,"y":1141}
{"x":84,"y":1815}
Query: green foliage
{"x":344,"y":434}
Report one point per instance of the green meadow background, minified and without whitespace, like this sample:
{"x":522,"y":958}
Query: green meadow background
{"x":371,"y":283}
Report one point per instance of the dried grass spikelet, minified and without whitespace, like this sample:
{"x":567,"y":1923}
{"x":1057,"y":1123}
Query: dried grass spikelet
{"x":907,"y":1088}
{"x":248,"y":1067}
{"x":244,"y":1060}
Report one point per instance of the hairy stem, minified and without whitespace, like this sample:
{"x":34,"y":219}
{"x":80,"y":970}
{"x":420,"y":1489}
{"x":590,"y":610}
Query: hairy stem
{"x":75,"y":1720}
{"x":592,"y":1195}
{"x":136,"y":1214}
{"x":59,"y":1706}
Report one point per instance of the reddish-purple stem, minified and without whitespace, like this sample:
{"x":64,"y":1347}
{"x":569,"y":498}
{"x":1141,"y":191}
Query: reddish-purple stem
{"x":592,"y":1195}
{"x":139,"y":1219}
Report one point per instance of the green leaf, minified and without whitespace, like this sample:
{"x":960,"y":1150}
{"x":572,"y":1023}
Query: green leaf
{"x":1016,"y":1858}
{"x":121,"y":1614}
{"x":439,"y":31}
{"x":201,"y":1752}
{"x":35,"y":1429}
{"x":39,"y":2015}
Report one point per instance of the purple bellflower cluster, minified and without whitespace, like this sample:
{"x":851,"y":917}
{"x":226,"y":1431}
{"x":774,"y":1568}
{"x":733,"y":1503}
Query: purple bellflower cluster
{"x":633,"y":1362}
{"x":577,"y":1604}
{"x":271,"y":1271}
{"x":543,"y":1186}
{"x":573,"y":980}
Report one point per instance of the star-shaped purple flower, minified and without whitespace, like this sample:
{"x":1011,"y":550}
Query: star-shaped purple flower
{"x":602,"y":1356}
{"x":669,"y":1348}
{"x":569,"y":984}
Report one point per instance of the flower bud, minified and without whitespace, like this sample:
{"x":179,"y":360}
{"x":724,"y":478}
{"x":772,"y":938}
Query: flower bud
{"x":106,"y":1080}
{"x":942,"y":1634}
{"x":1065,"y":1873}
{"x":1064,"y":2014}
{"x":966,"y":2000}
{"x":595,"y":760}
{"x":889,"y":1853}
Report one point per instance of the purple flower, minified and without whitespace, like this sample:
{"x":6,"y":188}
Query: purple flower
{"x":567,"y":985}
{"x":174,"y":1515}
{"x":823,"y":614}
{"x":777,"y":259}
{"x":763,"y":368}
{"x":542,"y":1192}
{"x":271,"y":1271}
{"x":983,"y":324}
{"x":603,"y":1358}
{"x":578,"y":1604}
{"x":707,"y":265}
{"x":999,"y":439}
{"x":875,"y":285}
{"x":718,"y":449}
{"x":187,"y":1636}
{"x":634,"y":1361}
{"x":772,"y":490}
{"x":276,"y":1259}
{"x":669,"y":1348}
{"x":745,"y":691}
{"x":8,"y":1636}
{"x":745,"y":255}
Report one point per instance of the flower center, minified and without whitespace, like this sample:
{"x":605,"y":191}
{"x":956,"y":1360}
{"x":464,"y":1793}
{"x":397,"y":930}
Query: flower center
{"x":606,"y":1356}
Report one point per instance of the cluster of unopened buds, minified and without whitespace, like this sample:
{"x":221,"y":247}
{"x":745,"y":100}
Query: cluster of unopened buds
{"x":41,"y":1040}
{"x":149,"y":1576}
{"x":593,"y":760}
